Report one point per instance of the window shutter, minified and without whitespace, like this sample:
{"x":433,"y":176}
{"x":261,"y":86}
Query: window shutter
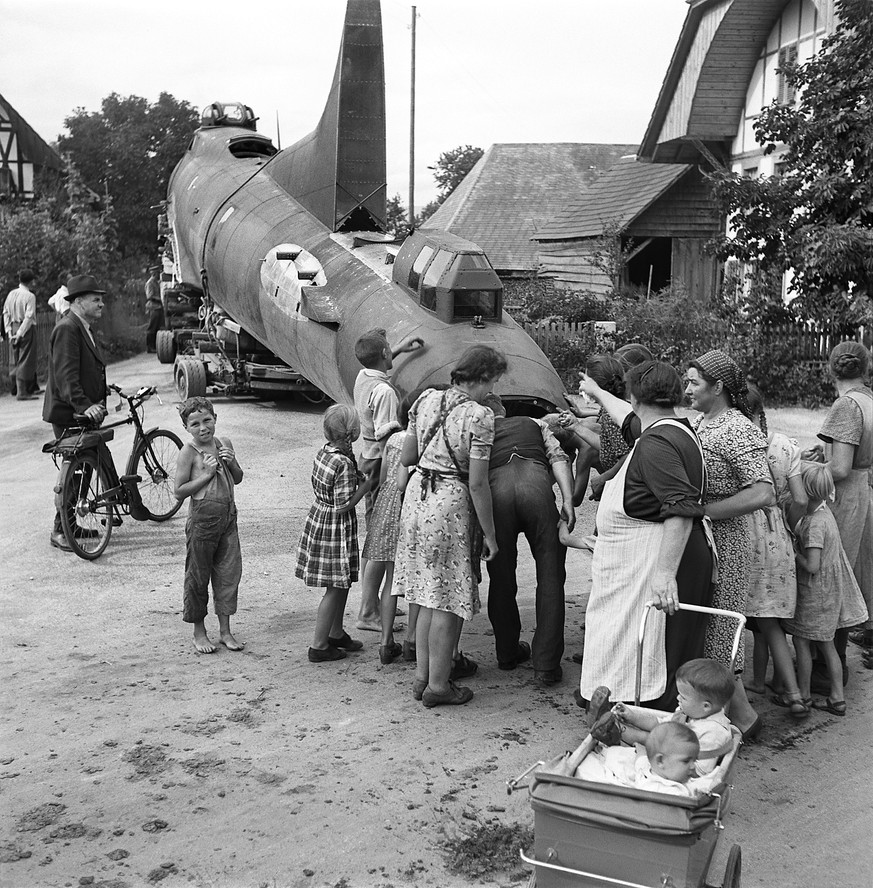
{"x":787,"y":57}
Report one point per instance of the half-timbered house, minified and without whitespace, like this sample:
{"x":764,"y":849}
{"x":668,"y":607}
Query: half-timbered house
{"x":24,"y":156}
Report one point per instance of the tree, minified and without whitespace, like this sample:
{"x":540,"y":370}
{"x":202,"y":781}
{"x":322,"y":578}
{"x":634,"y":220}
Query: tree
{"x":128,"y":149}
{"x":426,"y":212}
{"x":395,"y":217}
{"x":58,"y":233}
{"x":816,"y":217}
{"x":452,"y":166}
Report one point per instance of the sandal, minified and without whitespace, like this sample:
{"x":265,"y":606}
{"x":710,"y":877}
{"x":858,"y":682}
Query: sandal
{"x":418,"y":687}
{"x":837,"y":708}
{"x":798,"y":708}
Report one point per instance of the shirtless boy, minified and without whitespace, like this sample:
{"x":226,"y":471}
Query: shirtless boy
{"x":207,"y":472}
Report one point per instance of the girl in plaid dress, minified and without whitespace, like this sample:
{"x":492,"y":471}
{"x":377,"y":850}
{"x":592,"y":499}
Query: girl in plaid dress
{"x":328,"y":551}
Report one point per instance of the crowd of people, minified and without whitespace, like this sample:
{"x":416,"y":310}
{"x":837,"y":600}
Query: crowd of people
{"x":714,"y":511}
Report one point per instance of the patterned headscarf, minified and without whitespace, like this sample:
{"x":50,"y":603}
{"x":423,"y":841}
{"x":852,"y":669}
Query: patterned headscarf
{"x":718,"y":365}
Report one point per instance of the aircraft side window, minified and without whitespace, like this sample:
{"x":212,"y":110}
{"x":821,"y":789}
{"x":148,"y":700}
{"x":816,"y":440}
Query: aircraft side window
{"x":418,"y":266}
{"x":435,"y":271}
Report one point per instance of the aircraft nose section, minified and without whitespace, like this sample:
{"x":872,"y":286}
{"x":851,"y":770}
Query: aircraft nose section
{"x":529,"y":386}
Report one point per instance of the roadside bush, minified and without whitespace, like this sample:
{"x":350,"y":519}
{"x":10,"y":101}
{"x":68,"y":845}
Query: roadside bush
{"x":676,"y":328}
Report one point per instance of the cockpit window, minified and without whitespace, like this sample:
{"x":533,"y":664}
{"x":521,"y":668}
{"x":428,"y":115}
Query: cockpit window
{"x":435,"y":271}
{"x":244,"y":148}
{"x":475,"y":260}
{"x":475,"y":303}
{"x":418,"y":266}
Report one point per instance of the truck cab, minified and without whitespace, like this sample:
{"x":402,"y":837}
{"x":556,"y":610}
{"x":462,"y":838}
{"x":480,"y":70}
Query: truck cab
{"x":450,"y":277}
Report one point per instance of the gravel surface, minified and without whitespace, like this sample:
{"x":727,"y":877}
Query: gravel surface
{"x":127,"y":759}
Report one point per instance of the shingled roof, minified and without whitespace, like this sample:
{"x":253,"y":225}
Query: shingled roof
{"x":515,"y":188}
{"x":617,"y":197}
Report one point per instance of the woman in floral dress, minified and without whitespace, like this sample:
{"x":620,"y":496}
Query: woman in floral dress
{"x":772,"y":595}
{"x":448,"y":499}
{"x":738,"y":483}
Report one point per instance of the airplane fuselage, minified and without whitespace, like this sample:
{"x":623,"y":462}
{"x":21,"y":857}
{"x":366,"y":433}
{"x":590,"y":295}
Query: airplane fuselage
{"x":303,"y":292}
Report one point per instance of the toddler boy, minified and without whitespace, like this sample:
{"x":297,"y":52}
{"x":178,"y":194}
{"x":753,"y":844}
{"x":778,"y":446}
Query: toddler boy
{"x":207,"y":471}
{"x":705,"y":687}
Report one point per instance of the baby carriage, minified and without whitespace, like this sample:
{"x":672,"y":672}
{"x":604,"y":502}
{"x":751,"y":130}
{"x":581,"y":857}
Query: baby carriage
{"x":595,"y":835}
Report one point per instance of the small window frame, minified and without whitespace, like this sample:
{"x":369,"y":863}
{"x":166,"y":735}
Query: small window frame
{"x":419,"y":266}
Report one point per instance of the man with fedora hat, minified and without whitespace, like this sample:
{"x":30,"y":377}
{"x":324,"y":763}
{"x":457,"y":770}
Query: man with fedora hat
{"x":77,"y":373}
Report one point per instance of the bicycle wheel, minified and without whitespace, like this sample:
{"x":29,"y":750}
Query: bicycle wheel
{"x":155,"y":462}
{"x":86,"y":515}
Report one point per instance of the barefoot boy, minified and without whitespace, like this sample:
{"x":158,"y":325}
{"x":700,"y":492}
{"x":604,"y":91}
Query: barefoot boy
{"x":207,"y":471}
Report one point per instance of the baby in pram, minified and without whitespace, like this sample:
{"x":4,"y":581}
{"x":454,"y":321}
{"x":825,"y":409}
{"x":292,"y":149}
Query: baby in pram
{"x":698,"y":734}
{"x":664,"y":764}
{"x":705,"y":687}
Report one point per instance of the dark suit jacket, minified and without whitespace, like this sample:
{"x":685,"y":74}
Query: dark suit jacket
{"x":77,"y":373}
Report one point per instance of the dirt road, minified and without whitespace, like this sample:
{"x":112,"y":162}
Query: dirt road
{"x":127,"y":759}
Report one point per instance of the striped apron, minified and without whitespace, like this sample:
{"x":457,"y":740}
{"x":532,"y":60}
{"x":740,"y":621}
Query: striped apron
{"x":625,"y":559}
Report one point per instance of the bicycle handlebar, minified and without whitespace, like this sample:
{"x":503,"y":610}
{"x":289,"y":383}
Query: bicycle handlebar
{"x":140,"y":397}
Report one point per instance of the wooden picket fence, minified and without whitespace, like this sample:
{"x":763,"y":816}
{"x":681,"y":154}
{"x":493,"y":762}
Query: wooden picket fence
{"x":811,"y":342}
{"x":45,"y":323}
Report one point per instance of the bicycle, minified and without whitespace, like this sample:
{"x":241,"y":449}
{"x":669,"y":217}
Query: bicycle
{"x":87,"y":496}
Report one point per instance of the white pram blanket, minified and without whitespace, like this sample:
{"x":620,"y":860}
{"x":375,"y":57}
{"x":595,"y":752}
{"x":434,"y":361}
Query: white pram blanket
{"x":624,"y":766}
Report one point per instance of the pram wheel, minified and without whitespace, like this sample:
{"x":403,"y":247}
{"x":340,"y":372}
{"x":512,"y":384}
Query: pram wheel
{"x":734,"y":868}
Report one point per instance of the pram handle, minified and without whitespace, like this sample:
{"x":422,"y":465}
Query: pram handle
{"x":666,"y":881}
{"x":513,"y":782}
{"x":716,"y":611}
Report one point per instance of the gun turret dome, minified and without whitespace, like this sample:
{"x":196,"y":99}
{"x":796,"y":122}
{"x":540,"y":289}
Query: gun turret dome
{"x":228,"y":114}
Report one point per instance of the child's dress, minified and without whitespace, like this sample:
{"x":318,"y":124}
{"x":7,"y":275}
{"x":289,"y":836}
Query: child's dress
{"x":381,"y":542}
{"x":830,"y":599}
{"x":328,"y":551}
{"x":772,"y":580}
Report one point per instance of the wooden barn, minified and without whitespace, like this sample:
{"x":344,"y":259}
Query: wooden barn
{"x":658,"y":216}
{"x":24,"y":156}
{"x":725,"y":68}
{"x":513,"y":190}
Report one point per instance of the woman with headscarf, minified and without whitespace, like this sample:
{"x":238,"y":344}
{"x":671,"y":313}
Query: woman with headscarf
{"x":848,"y":436}
{"x":651,"y":544}
{"x":738,"y":483}
{"x":436,"y":565}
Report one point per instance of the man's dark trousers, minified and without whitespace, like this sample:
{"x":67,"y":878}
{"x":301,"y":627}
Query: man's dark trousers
{"x":523,"y":502}
{"x":156,"y":322}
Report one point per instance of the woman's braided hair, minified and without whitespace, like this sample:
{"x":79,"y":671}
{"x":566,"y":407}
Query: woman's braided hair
{"x":849,"y":360}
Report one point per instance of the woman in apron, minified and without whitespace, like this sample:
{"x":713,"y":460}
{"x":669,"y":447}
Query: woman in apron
{"x":651,"y":545}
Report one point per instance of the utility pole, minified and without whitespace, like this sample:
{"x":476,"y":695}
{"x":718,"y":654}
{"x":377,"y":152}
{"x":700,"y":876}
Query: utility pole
{"x":412,"y":128}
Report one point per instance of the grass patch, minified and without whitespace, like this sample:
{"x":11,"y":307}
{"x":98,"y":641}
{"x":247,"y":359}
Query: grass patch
{"x":493,"y":848}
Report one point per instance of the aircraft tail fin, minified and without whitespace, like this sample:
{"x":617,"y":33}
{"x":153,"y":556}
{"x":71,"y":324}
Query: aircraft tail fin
{"x":338,"y":171}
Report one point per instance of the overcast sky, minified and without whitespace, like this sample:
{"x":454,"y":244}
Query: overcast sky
{"x":487,"y":70}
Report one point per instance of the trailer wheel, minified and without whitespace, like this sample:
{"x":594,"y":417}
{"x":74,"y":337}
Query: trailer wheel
{"x":190,"y":379}
{"x":165,"y":345}
{"x":734,"y":868}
